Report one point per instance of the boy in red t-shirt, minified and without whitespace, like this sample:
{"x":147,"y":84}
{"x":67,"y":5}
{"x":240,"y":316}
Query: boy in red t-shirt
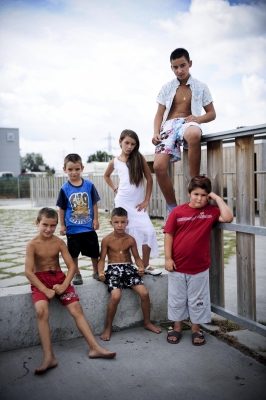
{"x":187,"y":257}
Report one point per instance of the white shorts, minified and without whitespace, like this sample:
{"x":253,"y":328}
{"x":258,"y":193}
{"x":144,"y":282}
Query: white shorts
{"x":189,"y":296}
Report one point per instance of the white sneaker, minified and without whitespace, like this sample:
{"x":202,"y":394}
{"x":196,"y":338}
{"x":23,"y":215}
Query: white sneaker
{"x":152,"y":271}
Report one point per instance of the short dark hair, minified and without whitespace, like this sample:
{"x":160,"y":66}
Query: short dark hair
{"x":178,"y":53}
{"x":75,"y":158}
{"x":119,"y":212}
{"x":200,"y":181}
{"x":47,"y":213}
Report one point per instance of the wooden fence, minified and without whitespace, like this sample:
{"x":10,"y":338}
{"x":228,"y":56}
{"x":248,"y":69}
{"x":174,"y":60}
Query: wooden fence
{"x":44,"y":192}
{"x":245,"y":221}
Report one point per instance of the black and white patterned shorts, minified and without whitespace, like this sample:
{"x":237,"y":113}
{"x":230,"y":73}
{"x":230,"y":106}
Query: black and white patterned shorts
{"x":122,"y":276}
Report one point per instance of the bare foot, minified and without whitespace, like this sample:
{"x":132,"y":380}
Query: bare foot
{"x":45,"y":365}
{"x":100,"y":352}
{"x":106,"y":335}
{"x":152,"y":328}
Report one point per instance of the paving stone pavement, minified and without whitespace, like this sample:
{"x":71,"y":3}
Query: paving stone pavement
{"x":18,"y":228}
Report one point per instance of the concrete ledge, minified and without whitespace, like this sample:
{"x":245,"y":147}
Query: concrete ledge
{"x":18,"y":327}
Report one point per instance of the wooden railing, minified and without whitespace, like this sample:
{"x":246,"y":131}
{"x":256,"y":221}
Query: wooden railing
{"x":244,"y":226}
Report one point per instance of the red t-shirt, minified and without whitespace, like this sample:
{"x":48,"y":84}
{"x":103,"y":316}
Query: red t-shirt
{"x":191,"y":228}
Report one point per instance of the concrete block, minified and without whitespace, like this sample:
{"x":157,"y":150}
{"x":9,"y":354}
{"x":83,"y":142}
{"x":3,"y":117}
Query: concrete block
{"x":18,"y":327}
{"x":251,"y":339}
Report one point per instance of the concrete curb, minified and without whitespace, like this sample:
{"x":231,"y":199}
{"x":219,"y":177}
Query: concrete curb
{"x":18,"y":321}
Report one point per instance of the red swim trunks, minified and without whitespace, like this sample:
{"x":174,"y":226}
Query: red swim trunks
{"x":49,"y":279}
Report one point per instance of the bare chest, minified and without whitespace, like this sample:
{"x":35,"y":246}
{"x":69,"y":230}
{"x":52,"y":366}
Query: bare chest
{"x":181,"y":106}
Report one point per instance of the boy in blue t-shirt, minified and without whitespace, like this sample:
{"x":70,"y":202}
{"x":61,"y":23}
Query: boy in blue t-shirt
{"x":78,"y":214}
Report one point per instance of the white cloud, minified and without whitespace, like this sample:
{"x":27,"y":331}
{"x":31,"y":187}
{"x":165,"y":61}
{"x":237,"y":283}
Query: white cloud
{"x":86,"y":71}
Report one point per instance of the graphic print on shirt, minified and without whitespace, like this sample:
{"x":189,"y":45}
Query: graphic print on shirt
{"x":80,"y":208}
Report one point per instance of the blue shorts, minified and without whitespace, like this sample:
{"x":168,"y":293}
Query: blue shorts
{"x":172,"y":135}
{"x":122,"y":276}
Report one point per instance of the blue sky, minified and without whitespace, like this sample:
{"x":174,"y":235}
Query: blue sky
{"x":83,"y":69}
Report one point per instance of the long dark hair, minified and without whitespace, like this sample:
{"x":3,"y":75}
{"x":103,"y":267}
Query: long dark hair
{"x":135,"y":159}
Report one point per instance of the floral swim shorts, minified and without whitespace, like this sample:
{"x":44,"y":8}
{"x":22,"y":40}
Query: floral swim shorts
{"x":172,"y":134}
{"x":122,"y":276}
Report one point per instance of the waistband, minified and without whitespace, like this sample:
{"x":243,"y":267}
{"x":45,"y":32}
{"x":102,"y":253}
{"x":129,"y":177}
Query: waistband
{"x":50,"y":272}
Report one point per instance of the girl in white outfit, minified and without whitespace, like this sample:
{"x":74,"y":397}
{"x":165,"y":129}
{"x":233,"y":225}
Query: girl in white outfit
{"x":131,"y":168}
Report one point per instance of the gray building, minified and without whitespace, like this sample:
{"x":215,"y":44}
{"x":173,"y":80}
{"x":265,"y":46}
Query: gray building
{"x":9,"y":150}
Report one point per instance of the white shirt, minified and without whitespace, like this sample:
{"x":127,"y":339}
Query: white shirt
{"x":201,"y":96}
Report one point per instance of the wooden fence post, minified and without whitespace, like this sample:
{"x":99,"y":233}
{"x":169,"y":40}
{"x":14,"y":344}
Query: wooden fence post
{"x":215,"y":168}
{"x":186,"y":176}
{"x":245,"y":242}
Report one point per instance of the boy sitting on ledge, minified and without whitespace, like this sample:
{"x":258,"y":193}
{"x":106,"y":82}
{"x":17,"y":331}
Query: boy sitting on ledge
{"x":121,"y":274}
{"x":47,"y":281}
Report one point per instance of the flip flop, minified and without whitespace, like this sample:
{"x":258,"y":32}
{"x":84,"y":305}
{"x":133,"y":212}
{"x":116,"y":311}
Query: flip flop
{"x":175,"y":334}
{"x":198,"y":335}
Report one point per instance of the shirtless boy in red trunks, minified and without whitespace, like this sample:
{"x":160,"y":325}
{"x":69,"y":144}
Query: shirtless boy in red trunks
{"x":47,"y":281}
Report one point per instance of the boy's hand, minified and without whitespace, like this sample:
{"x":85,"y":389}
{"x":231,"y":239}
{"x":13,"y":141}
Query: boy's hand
{"x":62,"y":230}
{"x":50,"y":293}
{"x":95,"y":224}
{"x":170,"y":265}
{"x":191,"y":118}
{"x":156,"y":139}
{"x":59,"y":289}
{"x":212,"y":196}
{"x":142,"y":205}
{"x":102,"y":276}
{"x":141,"y":271}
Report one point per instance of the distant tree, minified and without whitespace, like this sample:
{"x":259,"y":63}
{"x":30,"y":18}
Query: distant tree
{"x":34,"y":162}
{"x":100,"y":156}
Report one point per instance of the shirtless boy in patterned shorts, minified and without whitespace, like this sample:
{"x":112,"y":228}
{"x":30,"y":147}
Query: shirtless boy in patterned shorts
{"x":121,"y":274}
{"x":177,"y":122}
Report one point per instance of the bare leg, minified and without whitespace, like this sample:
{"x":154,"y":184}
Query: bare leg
{"x":193,"y":137}
{"x":146,"y":251}
{"x":77,"y":271}
{"x":42,"y":315}
{"x":178,"y":328}
{"x":146,"y":307}
{"x":95,"y":265}
{"x":160,"y":166}
{"x":96,"y":351}
{"x":111,"y":311}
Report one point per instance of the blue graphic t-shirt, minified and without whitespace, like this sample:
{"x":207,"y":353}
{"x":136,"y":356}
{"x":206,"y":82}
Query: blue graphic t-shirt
{"x":78,"y":201}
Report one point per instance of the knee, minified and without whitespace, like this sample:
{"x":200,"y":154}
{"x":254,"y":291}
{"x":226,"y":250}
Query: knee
{"x":75,"y":309}
{"x":193,"y":135}
{"x":115,"y":298}
{"x":145,"y":295}
{"x":159,"y":169}
{"x":42,"y":313}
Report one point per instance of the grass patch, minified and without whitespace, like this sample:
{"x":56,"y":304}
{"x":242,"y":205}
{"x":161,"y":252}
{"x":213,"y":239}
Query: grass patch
{"x":229,"y":246}
{"x":226,"y":326}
